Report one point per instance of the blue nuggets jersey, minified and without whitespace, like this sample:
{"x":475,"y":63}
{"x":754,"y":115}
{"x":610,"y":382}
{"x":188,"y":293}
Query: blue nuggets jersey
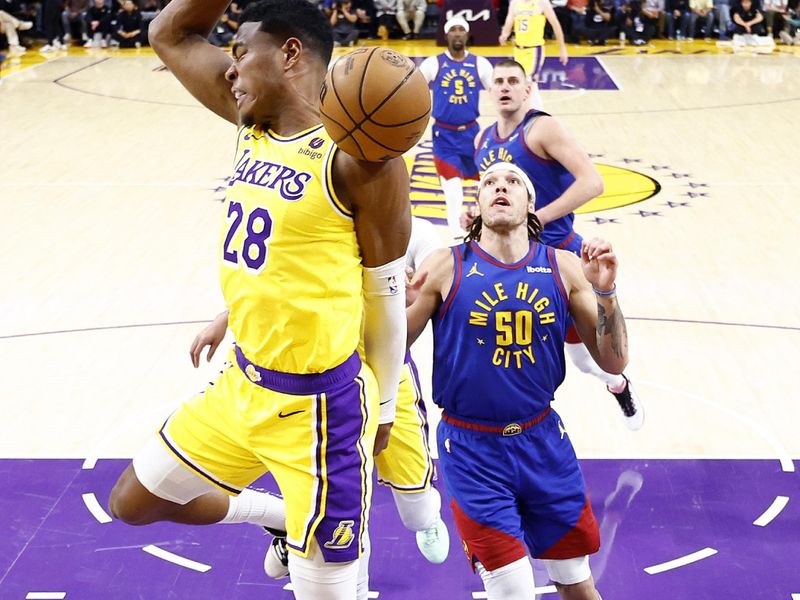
{"x":549,"y":177}
{"x":456,"y":90}
{"x":499,"y":336}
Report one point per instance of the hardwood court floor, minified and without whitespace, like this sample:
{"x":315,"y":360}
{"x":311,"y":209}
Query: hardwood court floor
{"x":110,"y":190}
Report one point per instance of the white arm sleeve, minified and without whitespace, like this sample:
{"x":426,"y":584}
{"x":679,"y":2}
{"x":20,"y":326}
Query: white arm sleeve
{"x":485,"y":72}
{"x":385,"y":329}
{"x":424,"y":240}
{"x":429,"y":68}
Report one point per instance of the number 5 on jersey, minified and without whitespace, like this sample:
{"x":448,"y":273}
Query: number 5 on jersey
{"x":254,"y":248}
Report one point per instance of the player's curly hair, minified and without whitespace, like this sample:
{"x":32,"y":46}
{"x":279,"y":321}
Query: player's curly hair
{"x":293,"y":18}
{"x":534,"y":228}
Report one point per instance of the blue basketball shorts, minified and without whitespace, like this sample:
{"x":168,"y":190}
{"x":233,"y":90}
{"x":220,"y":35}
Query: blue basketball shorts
{"x":513,"y":494}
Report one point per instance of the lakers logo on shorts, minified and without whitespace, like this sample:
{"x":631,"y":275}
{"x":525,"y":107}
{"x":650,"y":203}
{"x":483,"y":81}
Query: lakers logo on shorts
{"x":342,"y":536}
{"x":252,"y":373}
{"x":512,"y":429}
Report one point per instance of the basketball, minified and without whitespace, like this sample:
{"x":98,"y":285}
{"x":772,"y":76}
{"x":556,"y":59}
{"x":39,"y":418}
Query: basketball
{"x":375,"y":103}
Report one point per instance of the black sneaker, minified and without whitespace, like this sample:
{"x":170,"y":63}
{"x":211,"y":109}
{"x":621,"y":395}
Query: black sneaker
{"x":276,"y":560}
{"x":631,"y":407}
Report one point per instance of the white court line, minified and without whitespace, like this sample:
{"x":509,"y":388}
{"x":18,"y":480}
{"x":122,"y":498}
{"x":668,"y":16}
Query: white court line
{"x":549,"y":589}
{"x":46,"y":595}
{"x":787,"y":466}
{"x":89,"y":463}
{"x":773,"y":511}
{"x":609,"y":73}
{"x":680,"y":562}
{"x":370,"y":594}
{"x":176,"y":559}
{"x":795,"y":596}
{"x":90,"y":500}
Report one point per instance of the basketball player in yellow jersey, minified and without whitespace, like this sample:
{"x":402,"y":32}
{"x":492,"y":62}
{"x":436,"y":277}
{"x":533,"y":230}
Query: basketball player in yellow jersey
{"x":405,"y":465}
{"x":311,"y":249}
{"x":527,"y":18}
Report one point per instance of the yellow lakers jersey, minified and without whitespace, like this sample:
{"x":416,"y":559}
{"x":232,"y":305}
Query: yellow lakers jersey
{"x":290,"y":266}
{"x":529,"y":22}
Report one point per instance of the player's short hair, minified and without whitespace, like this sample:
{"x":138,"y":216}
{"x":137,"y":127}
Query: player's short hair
{"x":293,"y":18}
{"x":510,"y":62}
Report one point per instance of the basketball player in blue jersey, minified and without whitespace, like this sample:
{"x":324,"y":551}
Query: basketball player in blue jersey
{"x":456,"y":78}
{"x":564,"y":178}
{"x":311,"y":255}
{"x":501,"y":304}
{"x":405,"y":465}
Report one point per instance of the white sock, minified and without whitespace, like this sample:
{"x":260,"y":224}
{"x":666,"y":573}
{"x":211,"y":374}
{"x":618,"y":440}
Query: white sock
{"x":362,"y":593}
{"x":419,"y":510}
{"x":454,"y":199}
{"x":510,"y":582}
{"x":259,"y":508}
{"x":581,"y":358}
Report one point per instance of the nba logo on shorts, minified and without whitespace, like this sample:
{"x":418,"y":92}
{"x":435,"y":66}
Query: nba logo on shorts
{"x":342,"y":536}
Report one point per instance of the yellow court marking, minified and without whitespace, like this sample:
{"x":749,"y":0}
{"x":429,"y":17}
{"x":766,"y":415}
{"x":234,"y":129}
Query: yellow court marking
{"x":622,"y":186}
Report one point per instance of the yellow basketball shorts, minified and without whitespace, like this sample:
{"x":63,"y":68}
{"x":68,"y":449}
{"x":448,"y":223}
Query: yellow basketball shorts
{"x":531,"y":59}
{"x":406,"y":464}
{"x":314,"y":433}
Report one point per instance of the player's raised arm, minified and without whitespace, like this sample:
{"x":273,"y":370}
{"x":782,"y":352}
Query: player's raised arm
{"x":552,"y":140}
{"x":593,"y":302}
{"x":179,"y":35}
{"x":430,"y":285}
{"x":378,"y":196}
{"x":505,"y":33}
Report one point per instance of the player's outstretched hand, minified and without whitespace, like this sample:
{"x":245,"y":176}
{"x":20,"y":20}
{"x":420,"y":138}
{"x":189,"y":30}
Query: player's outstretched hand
{"x":211,"y":336}
{"x":599,"y":264}
{"x":466,"y":218}
{"x":382,"y":438}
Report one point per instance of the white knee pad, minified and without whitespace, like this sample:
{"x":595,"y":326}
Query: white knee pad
{"x":418,"y":510}
{"x":165,"y":476}
{"x":314,"y":579}
{"x":569,"y":571}
{"x":513,"y":581}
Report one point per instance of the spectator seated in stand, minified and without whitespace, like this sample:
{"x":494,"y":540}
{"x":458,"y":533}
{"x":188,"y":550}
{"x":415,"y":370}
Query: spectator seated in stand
{"x":637,"y":28}
{"x":343,"y":19}
{"x":414,"y":11}
{"x":129,"y":26}
{"x":98,"y":25}
{"x":703,"y":10}
{"x":678,"y":11}
{"x":597,"y":25}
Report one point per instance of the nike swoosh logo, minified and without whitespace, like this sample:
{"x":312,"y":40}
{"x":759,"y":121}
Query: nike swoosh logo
{"x":385,"y":402}
{"x":283,"y":416}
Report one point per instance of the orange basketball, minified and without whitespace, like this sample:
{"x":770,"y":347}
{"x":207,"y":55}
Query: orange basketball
{"x":375,"y":103}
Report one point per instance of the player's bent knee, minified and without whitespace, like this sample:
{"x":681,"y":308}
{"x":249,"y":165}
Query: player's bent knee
{"x":131,"y":503}
{"x":570,"y":571}
{"x":513,"y":581}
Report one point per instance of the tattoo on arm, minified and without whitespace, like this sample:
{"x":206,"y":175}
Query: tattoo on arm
{"x":614,"y":325}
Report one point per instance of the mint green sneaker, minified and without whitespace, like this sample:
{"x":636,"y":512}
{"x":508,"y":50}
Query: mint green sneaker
{"x":434,"y":542}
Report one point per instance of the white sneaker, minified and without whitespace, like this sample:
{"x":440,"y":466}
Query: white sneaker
{"x":88,"y":44}
{"x":631,"y":406}
{"x":276,"y":560}
{"x":785,"y":38}
{"x":24,"y":25}
{"x":47,"y":48}
{"x":434,"y":542}
{"x":17,"y":50}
